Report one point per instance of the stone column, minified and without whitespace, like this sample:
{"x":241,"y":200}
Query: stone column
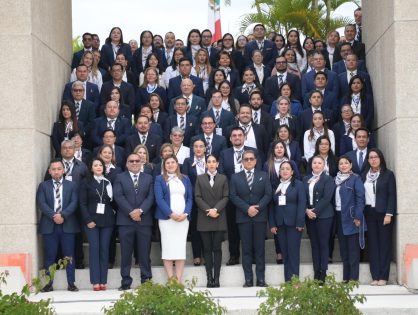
{"x":390,"y":28}
{"x":35,"y":41}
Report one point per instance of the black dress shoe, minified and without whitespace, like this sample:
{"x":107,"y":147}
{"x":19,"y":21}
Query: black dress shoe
{"x":248,"y":284}
{"x":216,"y":283}
{"x":79,"y":266}
{"x":145,"y":280}
{"x":124,"y":287}
{"x":47,"y":288}
{"x":110,"y":265}
{"x":261,"y":283}
{"x":210,"y":283}
{"x":279,"y":261}
{"x":71,"y":287}
{"x":232,"y":261}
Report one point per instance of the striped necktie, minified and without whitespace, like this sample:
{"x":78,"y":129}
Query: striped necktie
{"x":58,"y":209}
{"x":250,"y":179}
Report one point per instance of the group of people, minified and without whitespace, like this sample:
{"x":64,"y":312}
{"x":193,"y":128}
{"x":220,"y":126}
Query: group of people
{"x":170,"y":142}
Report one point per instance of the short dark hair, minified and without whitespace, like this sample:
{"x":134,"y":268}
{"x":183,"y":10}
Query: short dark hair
{"x":237,"y":129}
{"x":323,"y":73}
{"x":361,"y":129}
{"x":57,"y":160}
{"x":108,"y":130}
{"x":259,"y":24}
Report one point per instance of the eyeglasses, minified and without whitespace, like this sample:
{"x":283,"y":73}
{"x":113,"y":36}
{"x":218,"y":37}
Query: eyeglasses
{"x":134,"y":161}
{"x":249,"y":159}
{"x":78,"y":90}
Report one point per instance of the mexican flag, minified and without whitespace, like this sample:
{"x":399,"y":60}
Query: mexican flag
{"x":214,"y":19}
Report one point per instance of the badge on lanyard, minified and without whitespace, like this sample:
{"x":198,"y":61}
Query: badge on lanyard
{"x":218,"y":131}
{"x":100,"y":208}
{"x":282,"y":200}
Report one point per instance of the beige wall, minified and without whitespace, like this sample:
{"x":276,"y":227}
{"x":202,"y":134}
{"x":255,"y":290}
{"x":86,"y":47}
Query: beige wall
{"x":35,"y":37}
{"x":390,"y":29}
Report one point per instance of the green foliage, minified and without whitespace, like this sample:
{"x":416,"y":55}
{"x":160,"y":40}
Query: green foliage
{"x":18,"y":303}
{"x":77,"y":44}
{"x":172,"y":298}
{"x":309,"y":298}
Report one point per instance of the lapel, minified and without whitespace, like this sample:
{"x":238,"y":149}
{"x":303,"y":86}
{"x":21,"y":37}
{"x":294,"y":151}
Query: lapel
{"x":50,"y":192}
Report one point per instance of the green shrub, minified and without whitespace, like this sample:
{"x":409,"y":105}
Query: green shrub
{"x":172,"y":298}
{"x":309,"y":298}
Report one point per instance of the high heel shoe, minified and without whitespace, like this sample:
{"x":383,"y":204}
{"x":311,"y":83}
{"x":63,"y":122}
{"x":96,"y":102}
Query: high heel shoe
{"x":96,"y":287}
{"x":103,"y":287}
{"x":197,"y":261}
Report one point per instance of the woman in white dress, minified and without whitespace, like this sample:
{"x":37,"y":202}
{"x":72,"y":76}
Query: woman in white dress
{"x":174,"y":198}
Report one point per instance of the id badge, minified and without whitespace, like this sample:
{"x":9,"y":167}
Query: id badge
{"x":69,"y":177}
{"x":218,"y":131}
{"x":100,"y":208}
{"x":282,"y":200}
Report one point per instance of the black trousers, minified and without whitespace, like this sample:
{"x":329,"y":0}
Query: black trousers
{"x":195,"y":235}
{"x":212,"y":252}
{"x":290,"y":239}
{"x":233,"y":233}
{"x":319,"y":231}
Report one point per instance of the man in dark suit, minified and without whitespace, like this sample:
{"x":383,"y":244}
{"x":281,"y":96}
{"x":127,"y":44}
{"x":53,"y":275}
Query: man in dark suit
{"x":341,"y":127}
{"x":181,"y":119}
{"x":129,"y":76}
{"x":168,"y":50}
{"x":250,"y":192}
{"x":109,"y":138}
{"x":261,"y":114}
{"x":340,"y":66}
{"x":91,"y":91}
{"x":358,"y":156}
{"x":127,"y":90}
{"x":87,"y":42}
{"x":142,"y":136}
{"x":134,"y":194}
{"x":358,"y":48}
{"x":266,"y":47}
{"x":272,"y":85}
{"x":185,"y":68}
{"x":214,"y":143}
{"x":196,"y":105}
{"x":305,"y":118}
{"x":57,"y":199}
{"x":111,"y":120}
{"x":330,"y":97}
{"x":207,"y":44}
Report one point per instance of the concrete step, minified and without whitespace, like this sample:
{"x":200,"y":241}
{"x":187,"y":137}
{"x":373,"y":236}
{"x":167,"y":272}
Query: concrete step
{"x":305,"y":253}
{"x":231,"y":276}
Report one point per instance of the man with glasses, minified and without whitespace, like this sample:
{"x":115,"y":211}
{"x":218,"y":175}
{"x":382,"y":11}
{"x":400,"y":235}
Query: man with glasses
{"x":214,"y":143}
{"x":87,"y":43}
{"x":134,"y":194}
{"x":272,"y":85}
{"x":207,"y":44}
{"x":250,"y":192}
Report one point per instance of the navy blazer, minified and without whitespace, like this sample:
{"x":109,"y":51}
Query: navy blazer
{"x":339,"y":67}
{"x":243,"y":197}
{"x":142,"y":96}
{"x":295,"y":153}
{"x":77,"y":58}
{"x":218,"y":144}
{"x":128,"y":199}
{"x":323,"y":194}
{"x":353,"y":156}
{"x":226,"y":119}
{"x":271,"y":88}
{"x":305,"y":119}
{"x":266,"y":72}
{"x":89,"y":198}
{"x":293,"y":125}
{"x":162,"y":198}
{"x":367,"y":109}
{"x":269,"y":52}
{"x":78,"y":172}
{"x":126,"y":89}
{"x":122,"y":130}
{"x":190,"y":131}
{"x":120,"y":156}
{"x":386,"y":201}
{"x":113,"y":172}
{"x":174,"y":89}
{"x":293,"y":213}
{"x":196,"y":108}
{"x":136,"y":64}
{"x":352,"y":204}
{"x":332,"y":166}
{"x":343,"y":83}
{"x":358,"y":48}
{"x":308,"y":82}
{"x":153,"y":144}
{"x":330,"y":101}
{"x":346,"y":143}
{"x":226,"y":161}
{"x":162,"y":117}
{"x":108,"y":56}
{"x":45,"y":201}
{"x":274,"y":179}
{"x":58,"y":135}
{"x":92,"y":93}
{"x":189,"y":169}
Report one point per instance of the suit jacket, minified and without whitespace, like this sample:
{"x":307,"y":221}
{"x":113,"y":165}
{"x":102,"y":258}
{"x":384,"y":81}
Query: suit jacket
{"x":190,"y":131}
{"x":162,"y":117}
{"x":77,"y":58}
{"x":339,"y":131}
{"x":339,"y":67}
{"x":45,"y":201}
{"x":196,"y":108}
{"x":226,"y":119}
{"x":271,"y":88}
{"x":207,"y":197}
{"x":130,"y":77}
{"x":128,"y":199}
{"x":174,"y":89}
{"x":343,"y":83}
{"x":226,"y":161}
{"x":142,"y":96}
{"x":346,"y":143}
{"x":120,"y":156}
{"x":92,"y":93}
{"x":136,"y":64}
{"x":385,"y":192}
{"x":108,"y":57}
{"x":308,"y":82}
{"x":218,"y":144}
{"x":274,"y":179}
{"x":78,"y":172}
{"x":189,"y":169}
{"x":353,"y":156}
{"x":122,"y":130}
{"x":293,"y":213}
{"x":330,"y":101}
{"x":267,"y":121}
{"x":269,"y":52}
{"x":243,"y":197}
{"x":294,"y":127}
{"x":358,"y":48}
{"x":332,"y":165}
{"x":162,"y":198}
{"x":126,"y":89}
{"x":305,"y":119}
{"x":89,"y":199}
{"x":323,"y":192}
{"x":266,"y":72}
{"x":153,"y":144}
{"x":367,"y":109}
{"x":58,"y":135}
{"x":113,"y":172}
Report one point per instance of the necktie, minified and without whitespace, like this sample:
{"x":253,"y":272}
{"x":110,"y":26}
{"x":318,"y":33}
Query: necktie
{"x":255,"y":117}
{"x":208,"y":146}
{"x":212,"y":180}
{"x":77,"y":108}
{"x":250,"y":179}
{"x":168,"y":56}
{"x":110,"y":124}
{"x":135,"y":176}
{"x":351,"y":74}
{"x":156,"y":116}
{"x":261,"y":45}
{"x":239,"y":156}
{"x":280,"y":79}
{"x":360,"y":160}
{"x":58,"y":197}
{"x":182,"y":125}
{"x":217,"y":117}
{"x":356,"y":102}
{"x":144,"y":139}
{"x":67,"y":167}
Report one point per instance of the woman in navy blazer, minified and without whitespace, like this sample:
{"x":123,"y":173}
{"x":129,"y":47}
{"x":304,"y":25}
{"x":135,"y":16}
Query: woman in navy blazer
{"x":249,"y":83}
{"x":158,"y":109}
{"x":319,"y":189}
{"x":99,"y":219}
{"x":347,"y":141}
{"x":173,"y":217}
{"x":150,"y":85}
{"x":225,"y":63}
{"x":323,"y":149}
{"x":114,"y":44}
{"x":292,"y":146}
{"x":380,"y":187}
{"x":349,"y":205}
{"x":287,"y":218}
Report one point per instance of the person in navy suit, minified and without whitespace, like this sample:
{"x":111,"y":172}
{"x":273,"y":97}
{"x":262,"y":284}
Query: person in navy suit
{"x":181,"y":119}
{"x":134,"y":194}
{"x":262,"y":71}
{"x":342,"y":126}
{"x":98,"y":219}
{"x":57,"y":199}
{"x":109,"y":138}
{"x":351,"y":225}
{"x":215,"y":143}
{"x":348,"y":140}
{"x":87,"y":41}
{"x":260,"y":114}
{"x":158,"y":109}
{"x":319,"y":189}
{"x":128,"y":75}
{"x":330,"y":98}
{"x":250,"y":192}
{"x":287,"y":218}
{"x":380,"y":195}
{"x":143,"y":136}
{"x":283,"y":133}
{"x":284,"y":117}
{"x":146,"y":47}
{"x":352,"y":69}
{"x":225,"y":63}
{"x":249,"y":84}
{"x":196,"y":105}
{"x":207,"y":44}
{"x":273,"y":83}
{"x":358,"y":48}
{"x":185,"y":68}
{"x":358,"y":156}
{"x":150,"y":85}
{"x":114,"y":44}
{"x":174,"y":198}
{"x":111,"y":120}
{"x":267,"y":47}
{"x":155,"y":128}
